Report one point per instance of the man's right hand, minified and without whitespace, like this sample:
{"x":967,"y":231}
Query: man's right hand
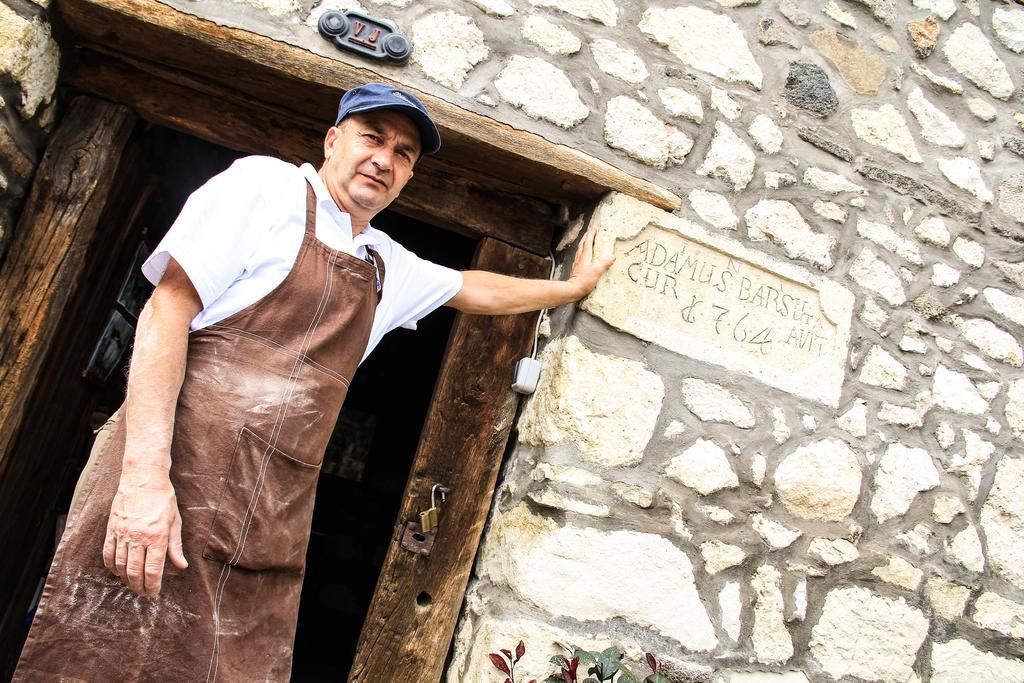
{"x":144,"y":528}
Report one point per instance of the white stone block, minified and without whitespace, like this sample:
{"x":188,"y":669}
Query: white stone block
{"x":997,"y":613}
{"x":966,"y":174}
{"x":550,"y":37}
{"x":704,"y":40}
{"x":955,"y":391}
{"x":703,"y":467}
{"x":779,"y":221}
{"x":765,"y":134}
{"x":719,"y":556}
{"x":770,"y":637}
{"x":713,"y":208}
{"x":903,"y":472}
{"x":991,"y":339}
{"x":725,"y":105}
{"x":957,"y":661}
{"x":899,"y":572}
{"x":775,"y":534}
{"x":678,"y":102}
{"x":936,"y":127}
{"x":874,"y":274}
{"x":833,"y":551}
{"x":1002,"y":520}
{"x":648,"y":581}
{"x":965,"y":549}
{"x":572,"y":403}
{"x":30,"y":56}
{"x":730,"y":606}
{"x":821,"y":480}
{"x":728,"y":158}
{"x":448,"y":46}
{"x":1009,"y":27}
{"x":714,"y":403}
{"x":946,"y":598}
{"x":867,"y":636}
{"x":933,"y":230}
{"x":633,"y":128}
{"x":603,"y":11}
{"x":946,"y":508}
{"x":944,"y":276}
{"x":881,"y":369}
{"x":541,"y":90}
{"x":618,"y":61}
{"x":968,"y":51}
{"x":885,"y":127}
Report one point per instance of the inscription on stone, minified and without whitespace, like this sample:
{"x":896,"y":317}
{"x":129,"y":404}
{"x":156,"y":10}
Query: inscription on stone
{"x":713,"y":299}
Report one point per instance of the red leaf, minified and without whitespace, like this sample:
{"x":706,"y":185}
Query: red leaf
{"x":652,"y":662}
{"x":508,"y":680}
{"x":520,"y":650}
{"x":499,"y":663}
{"x":507,"y":653}
{"x":573,"y":665}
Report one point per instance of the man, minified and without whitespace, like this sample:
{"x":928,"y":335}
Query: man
{"x":271,"y":287}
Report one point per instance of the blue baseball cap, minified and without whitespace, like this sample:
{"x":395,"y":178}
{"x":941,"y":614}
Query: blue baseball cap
{"x":374,"y":96}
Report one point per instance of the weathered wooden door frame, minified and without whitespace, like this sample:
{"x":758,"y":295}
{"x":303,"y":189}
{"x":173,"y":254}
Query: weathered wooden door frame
{"x":39,"y":287}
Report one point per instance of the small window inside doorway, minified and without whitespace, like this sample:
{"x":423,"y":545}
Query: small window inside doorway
{"x":368,"y":461}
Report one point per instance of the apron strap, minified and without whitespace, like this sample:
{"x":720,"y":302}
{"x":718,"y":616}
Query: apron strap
{"x":379,"y":263}
{"x":310,"y":211}
{"x":371,"y":255}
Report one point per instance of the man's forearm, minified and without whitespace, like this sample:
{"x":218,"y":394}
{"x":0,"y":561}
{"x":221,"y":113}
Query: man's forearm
{"x":492,"y":293}
{"x":154,"y":381}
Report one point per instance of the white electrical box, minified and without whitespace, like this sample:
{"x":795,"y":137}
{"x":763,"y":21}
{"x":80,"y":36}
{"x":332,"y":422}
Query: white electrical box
{"x":527,"y":375}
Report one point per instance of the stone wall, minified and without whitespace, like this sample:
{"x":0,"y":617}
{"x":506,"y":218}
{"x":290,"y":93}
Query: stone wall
{"x":782,"y":440}
{"x":29,"y":60}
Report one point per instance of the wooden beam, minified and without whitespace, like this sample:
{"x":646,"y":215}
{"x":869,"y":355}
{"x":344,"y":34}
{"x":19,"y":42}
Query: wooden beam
{"x":414,"y":610}
{"x":44,"y":264}
{"x":276,"y":72}
{"x":61,"y":275}
{"x":226,"y":117}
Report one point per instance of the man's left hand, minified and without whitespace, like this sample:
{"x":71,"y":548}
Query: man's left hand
{"x":586,"y":271}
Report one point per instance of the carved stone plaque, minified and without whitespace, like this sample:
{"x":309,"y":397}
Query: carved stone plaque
{"x":710,"y":298}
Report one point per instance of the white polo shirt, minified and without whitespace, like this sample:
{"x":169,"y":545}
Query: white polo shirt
{"x":238,"y":236}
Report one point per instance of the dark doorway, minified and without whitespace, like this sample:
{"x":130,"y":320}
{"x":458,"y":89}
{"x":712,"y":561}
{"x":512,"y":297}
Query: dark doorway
{"x":375,"y":441}
{"x":368,"y":462}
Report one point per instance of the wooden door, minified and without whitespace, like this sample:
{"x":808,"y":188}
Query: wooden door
{"x":409,"y":627}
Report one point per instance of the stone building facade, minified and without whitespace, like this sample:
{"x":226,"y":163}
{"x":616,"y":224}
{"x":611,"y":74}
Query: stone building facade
{"x":782,"y":441}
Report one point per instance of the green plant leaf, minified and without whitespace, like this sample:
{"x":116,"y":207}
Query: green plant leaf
{"x":656,"y":678}
{"x":608,"y":663}
{"x":586,"y":658}
{"x":590,"y":679}
{"x":559,"y":661}
{"x":554,"y":678}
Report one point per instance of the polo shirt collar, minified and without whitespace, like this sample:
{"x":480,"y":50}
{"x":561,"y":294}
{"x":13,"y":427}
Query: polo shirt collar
{"x":341,"y":219}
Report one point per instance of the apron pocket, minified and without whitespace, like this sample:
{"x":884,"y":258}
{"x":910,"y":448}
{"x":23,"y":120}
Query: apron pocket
{"x":263,"y":517}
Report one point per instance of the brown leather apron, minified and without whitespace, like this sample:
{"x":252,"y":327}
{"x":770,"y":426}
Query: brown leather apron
{"x":261,"y":395}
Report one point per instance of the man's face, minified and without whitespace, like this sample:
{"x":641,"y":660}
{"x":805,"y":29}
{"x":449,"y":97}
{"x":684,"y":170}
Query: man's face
{"x":368,"y":159}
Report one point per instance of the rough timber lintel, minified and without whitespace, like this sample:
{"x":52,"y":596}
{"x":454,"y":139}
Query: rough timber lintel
{"x":281,"y":74}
